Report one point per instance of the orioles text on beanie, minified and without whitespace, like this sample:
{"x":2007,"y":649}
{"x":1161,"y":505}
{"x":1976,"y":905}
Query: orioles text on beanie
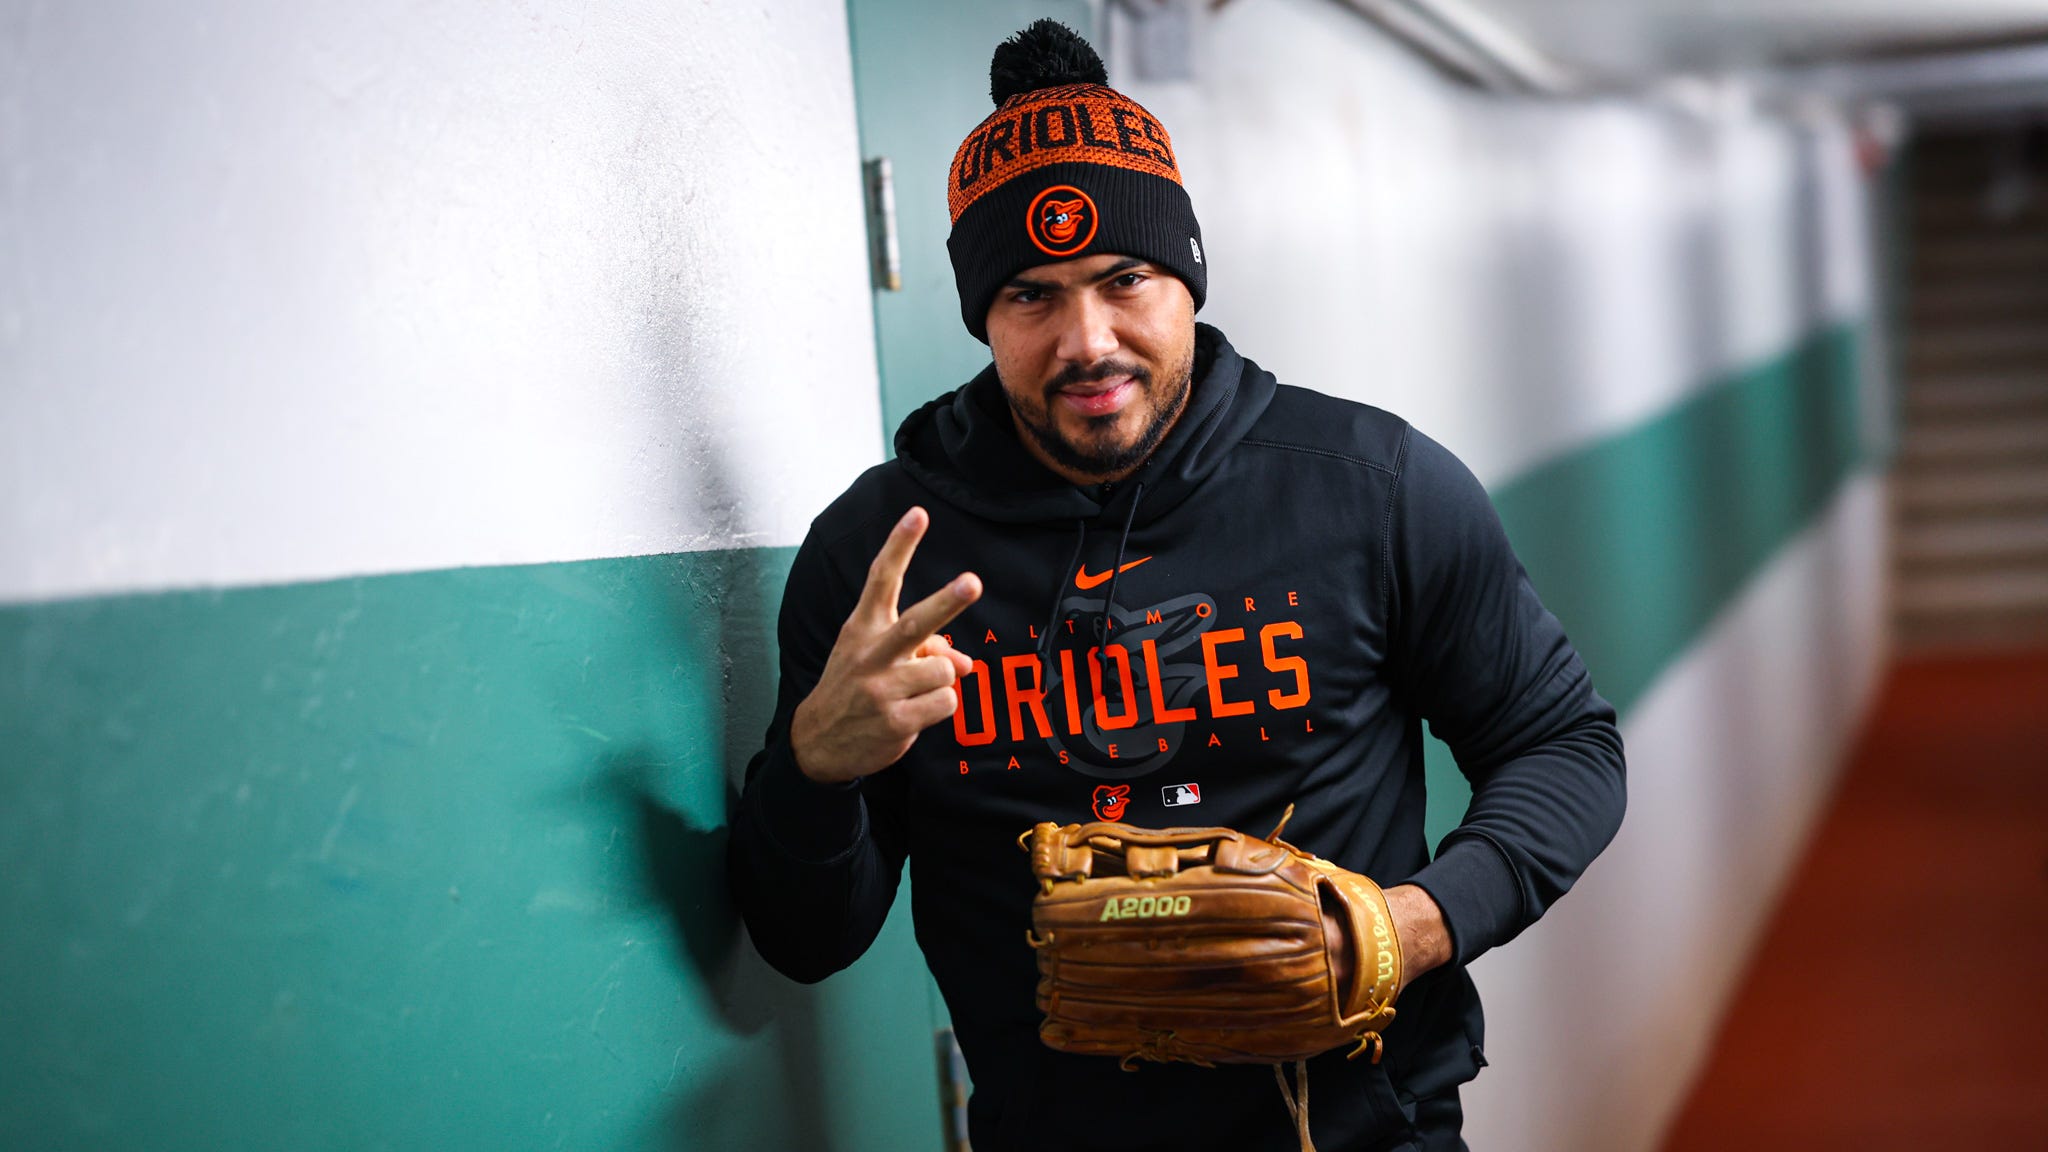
{"x":1065,"y":167}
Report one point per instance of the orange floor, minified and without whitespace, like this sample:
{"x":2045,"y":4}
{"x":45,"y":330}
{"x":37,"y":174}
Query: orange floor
{"x":1899,"y":998}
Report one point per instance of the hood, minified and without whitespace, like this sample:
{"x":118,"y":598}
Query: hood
{"x":964,"y":447}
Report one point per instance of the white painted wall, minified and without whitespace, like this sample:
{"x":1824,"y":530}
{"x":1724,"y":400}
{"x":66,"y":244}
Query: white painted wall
{"x":296,"y":291}
{"x":1515,"y":277}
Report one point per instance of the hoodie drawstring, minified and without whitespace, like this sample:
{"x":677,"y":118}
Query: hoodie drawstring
{"x":1101,"y":628}
{"x":1053,"y":617}
{"x":1116,"y":569}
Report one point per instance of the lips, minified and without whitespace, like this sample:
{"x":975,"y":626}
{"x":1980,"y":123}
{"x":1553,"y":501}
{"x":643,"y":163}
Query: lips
{"x":1100,"y":399}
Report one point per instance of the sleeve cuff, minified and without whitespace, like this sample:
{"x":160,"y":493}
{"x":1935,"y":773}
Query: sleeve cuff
{"x":811,"y":821}
{"x":1478,"y":892}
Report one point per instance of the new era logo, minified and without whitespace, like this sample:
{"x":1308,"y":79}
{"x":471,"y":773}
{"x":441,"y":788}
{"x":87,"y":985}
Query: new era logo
{"x":1176,"y":795}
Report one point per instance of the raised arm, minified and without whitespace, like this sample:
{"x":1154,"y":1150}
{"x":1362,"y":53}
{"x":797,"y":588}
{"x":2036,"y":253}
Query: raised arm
{"x":817,"y":844}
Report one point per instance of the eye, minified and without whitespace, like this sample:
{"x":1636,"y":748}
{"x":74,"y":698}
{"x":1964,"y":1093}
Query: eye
{"x":1026,"y":296}
{"x":1130,"y":280}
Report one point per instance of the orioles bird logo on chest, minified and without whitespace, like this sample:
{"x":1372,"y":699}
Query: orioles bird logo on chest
{"x":1111,"y":800}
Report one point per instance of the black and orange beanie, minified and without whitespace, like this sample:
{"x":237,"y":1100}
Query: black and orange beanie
{"x":1065,"y":167}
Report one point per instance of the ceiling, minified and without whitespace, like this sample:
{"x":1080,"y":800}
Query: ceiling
{"x":1624,"y":41}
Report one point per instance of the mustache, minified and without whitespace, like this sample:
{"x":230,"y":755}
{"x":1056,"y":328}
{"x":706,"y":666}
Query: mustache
{"x":1100,"y":370}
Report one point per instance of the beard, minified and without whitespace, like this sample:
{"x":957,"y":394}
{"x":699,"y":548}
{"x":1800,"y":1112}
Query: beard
{"x":1098,"y":457}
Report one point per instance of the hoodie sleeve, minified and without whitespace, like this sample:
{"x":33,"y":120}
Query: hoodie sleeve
{"x":813,"y":867}
{"x":1491,"y":671}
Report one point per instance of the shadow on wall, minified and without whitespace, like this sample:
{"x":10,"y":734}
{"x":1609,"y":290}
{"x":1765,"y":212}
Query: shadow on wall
{"x":851,"y":1057}
{"x":683,"y":873}
{"x":673,"y":796}
{"x":722,"y":618}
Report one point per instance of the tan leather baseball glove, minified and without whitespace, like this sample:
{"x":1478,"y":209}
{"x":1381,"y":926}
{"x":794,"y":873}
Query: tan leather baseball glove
{"x":1206,"y":945}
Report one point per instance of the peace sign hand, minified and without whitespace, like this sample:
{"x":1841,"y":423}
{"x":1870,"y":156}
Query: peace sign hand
{"x":889,"y":677}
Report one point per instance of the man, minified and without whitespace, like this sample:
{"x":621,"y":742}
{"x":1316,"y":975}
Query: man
{"x":1146,"y":582}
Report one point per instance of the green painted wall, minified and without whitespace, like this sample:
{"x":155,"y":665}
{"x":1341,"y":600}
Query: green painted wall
{"x":920,"y":76}
{"x":415,"y":861}
{"x":1638,"y":541}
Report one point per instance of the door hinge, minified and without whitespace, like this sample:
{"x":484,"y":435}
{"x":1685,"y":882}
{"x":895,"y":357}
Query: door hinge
{"x":885,"y":259}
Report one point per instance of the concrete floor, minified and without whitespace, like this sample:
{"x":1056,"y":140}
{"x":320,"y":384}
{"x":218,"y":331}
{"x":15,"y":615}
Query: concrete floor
{"x":1899,"y":997}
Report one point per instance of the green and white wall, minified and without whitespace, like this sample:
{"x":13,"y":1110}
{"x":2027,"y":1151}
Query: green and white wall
{"x":407,"y":412}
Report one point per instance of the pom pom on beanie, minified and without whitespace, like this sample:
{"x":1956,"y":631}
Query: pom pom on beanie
{"x":1046,"y":55}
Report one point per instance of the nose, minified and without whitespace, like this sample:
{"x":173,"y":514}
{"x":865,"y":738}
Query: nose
{"x":1088,"y":333}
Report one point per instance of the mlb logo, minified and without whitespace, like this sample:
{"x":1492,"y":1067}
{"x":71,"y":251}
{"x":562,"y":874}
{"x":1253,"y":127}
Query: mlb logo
{"x":1176,"y":795}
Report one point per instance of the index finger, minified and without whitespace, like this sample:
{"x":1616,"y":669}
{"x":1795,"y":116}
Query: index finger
{"x":885,"y":575}
{"x":924,"y":618}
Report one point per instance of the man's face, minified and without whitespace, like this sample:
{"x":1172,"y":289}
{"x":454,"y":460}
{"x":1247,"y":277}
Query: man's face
{"x":1096,"y":356}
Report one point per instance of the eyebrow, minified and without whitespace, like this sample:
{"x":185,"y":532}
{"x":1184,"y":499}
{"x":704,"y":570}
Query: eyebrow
{"x":1110,"y":273}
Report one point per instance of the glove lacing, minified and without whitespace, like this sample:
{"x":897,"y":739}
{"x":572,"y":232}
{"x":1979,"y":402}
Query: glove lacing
{"x":1297,"y":1110}
{"x":1297,"y":1099}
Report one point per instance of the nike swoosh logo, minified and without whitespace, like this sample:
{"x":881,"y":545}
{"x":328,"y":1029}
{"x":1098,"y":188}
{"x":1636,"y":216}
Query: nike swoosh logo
{"x":1084,"y":581}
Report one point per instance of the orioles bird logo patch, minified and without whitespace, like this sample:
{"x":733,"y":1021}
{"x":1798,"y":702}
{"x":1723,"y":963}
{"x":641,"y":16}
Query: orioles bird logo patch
{"x":1111,"y":800}
{"x":1061,"y":220}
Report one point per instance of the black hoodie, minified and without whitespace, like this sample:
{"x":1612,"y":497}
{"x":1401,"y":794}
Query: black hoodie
{"x":1264,"y":614}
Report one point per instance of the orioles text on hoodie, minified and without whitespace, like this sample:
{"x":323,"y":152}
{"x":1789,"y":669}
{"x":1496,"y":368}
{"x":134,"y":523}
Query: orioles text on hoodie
{"x":1265,"y":614}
